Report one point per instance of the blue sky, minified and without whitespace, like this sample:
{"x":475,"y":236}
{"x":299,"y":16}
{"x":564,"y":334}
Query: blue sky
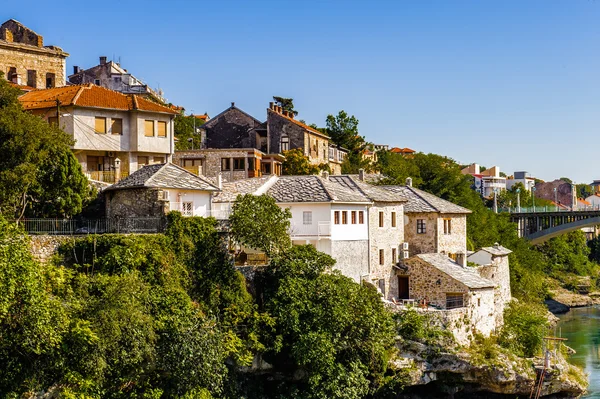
{"x":508,"y":83}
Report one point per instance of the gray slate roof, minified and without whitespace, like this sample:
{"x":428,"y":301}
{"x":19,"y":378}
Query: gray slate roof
{"x":164,"y":176}
{"x":421,"y":201}
{"x":232,"y":189}
{"x":375,"y":193}
{"x":497,"y":250}
{"x":465,"y":275}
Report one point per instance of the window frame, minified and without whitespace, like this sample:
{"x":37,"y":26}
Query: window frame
{"x":336,"y":217}
{"x":158,"y":132}
{"x":421,"y":226}
{"x":394,"y":219}
{"x":344,"y":217}
{"x":101,"y":119}
{"x":361,"y":217}
{"x":146,"y":125}
{"x":225,"y":164}
{"x":187,"y":212}
{"x":381,"y":219}
{"x":239,"y":163}
{"x":112,"y":126}
{"x":394,"y":256}
{"x":447,"y":226}
{"x":307,"y":218}
{"x":455,"y":300}
{"x":381,"y":256}
{"x":353,"y":217}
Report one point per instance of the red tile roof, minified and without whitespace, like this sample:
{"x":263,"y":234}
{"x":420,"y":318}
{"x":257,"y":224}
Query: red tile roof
{"x":402,"y":150}
{"x":202,"y":117}
{"x":89,"y":95}
{"x":21,"y":87}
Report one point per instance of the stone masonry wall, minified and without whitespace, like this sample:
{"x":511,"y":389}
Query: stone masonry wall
{"x":41,"y":60}
{"x":456,"y":241}
{"x":421,"y":243}
{"x":422,"y":283}
{"x":42,"y":247}
{"x":232,"y":129}
{"x":352,"y":258}
{"x":277,"y":126}
{"x":386,"y":238}
{"x":141,"y":202}
{"x":498,"y":272}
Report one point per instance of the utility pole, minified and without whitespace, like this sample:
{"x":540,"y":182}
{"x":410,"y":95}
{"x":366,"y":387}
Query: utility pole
{"x":533,"y":197}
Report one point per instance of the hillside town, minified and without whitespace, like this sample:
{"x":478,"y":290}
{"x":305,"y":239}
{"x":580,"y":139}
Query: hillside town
{"x":410,"y":246}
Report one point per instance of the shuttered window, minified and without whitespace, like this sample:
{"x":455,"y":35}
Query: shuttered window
{"x":149,"y":128}
{"x":100,"y":125}
{"x":116,"y":126}
{"x":162,"y":129}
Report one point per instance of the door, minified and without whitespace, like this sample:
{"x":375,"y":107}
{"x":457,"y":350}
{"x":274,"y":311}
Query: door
{"x":402,"y":287}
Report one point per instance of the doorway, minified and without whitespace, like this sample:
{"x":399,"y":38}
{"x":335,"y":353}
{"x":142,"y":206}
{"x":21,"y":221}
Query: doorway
{"x":403,"y":287}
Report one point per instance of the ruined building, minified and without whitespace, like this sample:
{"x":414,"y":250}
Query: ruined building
{"x":25,"y":60}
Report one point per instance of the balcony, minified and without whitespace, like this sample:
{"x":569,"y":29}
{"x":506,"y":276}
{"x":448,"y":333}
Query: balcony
{"x":187,"y":209}
{"x":319,"y":230}
{"x":105,"y":176}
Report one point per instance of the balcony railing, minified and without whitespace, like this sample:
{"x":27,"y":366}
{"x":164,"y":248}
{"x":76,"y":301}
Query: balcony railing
{"x":105,"y":176}
{"x":319,"y":230}
{"x":188,"y":210}
{"x":93,"y":226}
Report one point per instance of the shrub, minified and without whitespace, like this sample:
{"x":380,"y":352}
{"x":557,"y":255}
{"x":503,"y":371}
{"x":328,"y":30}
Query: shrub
{"x":524,"y":327}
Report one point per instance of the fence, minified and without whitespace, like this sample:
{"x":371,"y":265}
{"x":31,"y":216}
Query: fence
{"x":93,"y":226}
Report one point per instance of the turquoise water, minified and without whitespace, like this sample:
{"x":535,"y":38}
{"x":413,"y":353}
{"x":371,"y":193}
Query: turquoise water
{"x":581,"y":326}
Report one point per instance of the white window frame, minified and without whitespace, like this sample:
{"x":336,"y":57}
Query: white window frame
{"x":307,"y":217}
{"x":187,"y":208}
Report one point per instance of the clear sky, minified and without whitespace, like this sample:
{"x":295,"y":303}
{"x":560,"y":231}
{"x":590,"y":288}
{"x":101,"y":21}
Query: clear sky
{"x":508,"y":83}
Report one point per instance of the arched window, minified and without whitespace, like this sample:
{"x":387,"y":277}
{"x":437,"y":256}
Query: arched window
{"x":285,"y":143}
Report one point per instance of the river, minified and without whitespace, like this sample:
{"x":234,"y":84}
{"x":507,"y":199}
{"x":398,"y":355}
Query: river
{"x":581,"y":326}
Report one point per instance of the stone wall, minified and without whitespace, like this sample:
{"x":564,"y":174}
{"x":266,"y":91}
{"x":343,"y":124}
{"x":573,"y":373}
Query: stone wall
{"x":352,"y":258}
{"x":499,"y":273}
{"x":28,"y":58}
{"x":277,"y":126}
{"x":42,"y":247}
{"x":231,"y":129}
{"x":421,"y":243}
{"x":456,"y":241}
{"x":386,"y":238}
{"x":141,"y":202}
{"x":425,"y":282}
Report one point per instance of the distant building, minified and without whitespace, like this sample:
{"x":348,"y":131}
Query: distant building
{"x":25,"y":60}
{"x":114,"y":134}
{"x":561,"y":193}
{"x":485,"y":182}
{"x":381,"y":147}
{"x":111,"y":75}
{"x":402,"y":151}
{"x":522,"y":177}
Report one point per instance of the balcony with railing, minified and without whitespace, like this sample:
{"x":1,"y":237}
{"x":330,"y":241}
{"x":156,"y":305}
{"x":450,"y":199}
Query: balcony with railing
{"x":106,"y":176}
{"x":318,"y":230}
{"x":187,"y":209}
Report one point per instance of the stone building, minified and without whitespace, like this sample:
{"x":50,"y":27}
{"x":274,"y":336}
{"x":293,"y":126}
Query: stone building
{"x":433,"y":225}
{"x":115,"y":134}
{"x":111,"y":75}
{"x":438,"y":280}
{"x":494,"y":266}
{"x":231,"y":163}
{"x":26,"y":61}
{"x":155,"y":190}
{"x":558,"y":191}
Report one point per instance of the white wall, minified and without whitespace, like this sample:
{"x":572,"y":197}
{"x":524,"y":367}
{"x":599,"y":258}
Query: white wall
{"x":200,"y":199}
{"x":320,"y":213}
{"x":82,"y":127}
{"x":155,"y":143}
{"x":594,"y":200}
{"x":480,"y":257}
{"x":349,"y":232}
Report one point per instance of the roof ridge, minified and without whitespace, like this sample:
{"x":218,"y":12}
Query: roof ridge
{"x":418,"y":193}
{"x":154,"y":174}
{"x":76,"y":97}
{"x":329,"y":194}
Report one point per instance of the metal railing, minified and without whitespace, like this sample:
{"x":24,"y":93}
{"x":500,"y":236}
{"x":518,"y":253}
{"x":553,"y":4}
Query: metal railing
{"x":105,"y":176}
{"x":321,"y":229}
{"x":93,"y":226}
{"x":548,"y":208}
{"x":187,"y":209}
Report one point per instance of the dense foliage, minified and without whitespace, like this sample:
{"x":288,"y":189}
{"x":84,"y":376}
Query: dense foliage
{"x":187,"y":132}
{"x":296,"y":163}
{"x":39,"y":175}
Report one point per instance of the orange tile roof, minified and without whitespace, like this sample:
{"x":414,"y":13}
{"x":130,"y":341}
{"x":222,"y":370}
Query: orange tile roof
{"x":584,"y":201}
{"x":402,"y":150}
{"x":297,"y":122}
{"x":21,"y":87}
{"x":202,"y":117}
{"x":89,"y":95}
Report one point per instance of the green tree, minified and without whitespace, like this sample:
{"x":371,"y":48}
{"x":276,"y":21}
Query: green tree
{"x":331,"y":331}
{"x":287,"y":104}
{"x":343,"y":130}
{"x":186,"y":131}
{"x":39,"y":175}
{"x":296,"y":163}
{"x":257,"y":222}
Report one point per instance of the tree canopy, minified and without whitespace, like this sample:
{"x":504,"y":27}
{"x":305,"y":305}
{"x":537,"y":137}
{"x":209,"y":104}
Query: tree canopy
{"x":39,"y":175}
{"x":287,"y":104}
{"x":186,"y":131}
{"x":296,"y":163}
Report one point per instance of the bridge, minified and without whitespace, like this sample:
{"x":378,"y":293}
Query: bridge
{"x":541,"y":224}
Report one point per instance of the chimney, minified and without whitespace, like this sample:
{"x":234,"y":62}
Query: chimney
{"x":232,"y":104}
{"x":291,"y":115}
{"x":76,"y":69}
{"x":325,"y":175}
{"x":461,"y":259}
{"x":220,"y":181}
{"x":361,"y":174}
{"x":409,"y":181}
{"x":279,"y":109}
{"x":103,"y":60}
{"x":271,"y":105}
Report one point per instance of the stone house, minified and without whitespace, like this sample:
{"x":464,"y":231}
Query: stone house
{"x":494,"y":265}
{"x":111,"y":75}
{"x":155,"y":190}
{"x":115,"y":134}
{"x":558,"y":191}
{"x":231,"y":163}
{"x":234,"y":128}
{"x":432,"y":224}
{"x":441,"y":282}
{"x":25,"y":60}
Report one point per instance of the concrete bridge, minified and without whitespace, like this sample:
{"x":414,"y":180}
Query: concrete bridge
{"x":543,"y":225}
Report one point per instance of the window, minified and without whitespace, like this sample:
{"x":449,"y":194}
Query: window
{"x":285,"y":143}
{"x":344,"y":217}
{"x":149,"y":128}
{"x":162,"y":129}
{"x":454,"y":301}
{"x":239,"y":163}
{"x":188,"y":163}
{"x":380,"y":219}
{"x":142,"y":161}
{"x":32,"y":78}
{"x":307,"y":217}
{"x":49,"y":80}
{"x":353,"y":217}
{"x":187,"y":208}
{"x":421,"y":226}
{"x":381,"y":284}
{"x":225,"y":164}
{"x":53,"y":120}
{"x":94,"y":163}
{"x":97,"y":82}
{"x":361,"y":217}
{"x":478,"y":301}
{"x":265,"y":168}
{"x":12,"y":72}
{"x":447,"y":226}
{"x":159,"y":160}
{"x":116,"y":126}
{"x":251,"y":164}
{"x":100,"y":125}
{"x":381,"y":257}
{"x":393,"y":219}
{"x":336,"y":217}
{"x":394,"y":260}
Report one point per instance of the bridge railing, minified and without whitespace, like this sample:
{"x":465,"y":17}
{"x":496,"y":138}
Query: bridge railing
{"x":549,"y":208}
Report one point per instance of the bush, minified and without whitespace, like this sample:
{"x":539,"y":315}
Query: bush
{"x":414,"y":326}
{"x":525,"y":325}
